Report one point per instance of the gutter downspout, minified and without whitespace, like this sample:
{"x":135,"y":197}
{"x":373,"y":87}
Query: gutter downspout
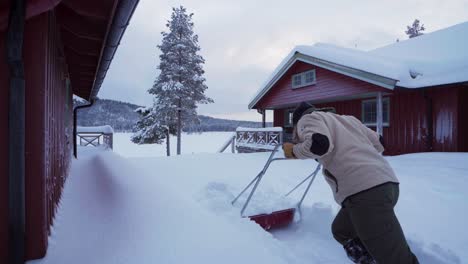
{"x":75,"y":112}
{"x":16,"y":130}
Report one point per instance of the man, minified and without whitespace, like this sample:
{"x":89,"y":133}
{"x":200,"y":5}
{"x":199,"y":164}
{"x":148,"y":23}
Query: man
{"x":362,"y":182}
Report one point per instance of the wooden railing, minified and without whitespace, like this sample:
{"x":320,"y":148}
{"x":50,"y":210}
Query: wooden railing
{"x":230,"y":142}
{"x":258,"y":139}
{"x":96,"y":136}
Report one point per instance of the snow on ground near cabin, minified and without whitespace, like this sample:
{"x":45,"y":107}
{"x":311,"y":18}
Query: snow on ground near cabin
{"x":177,"y":209}
{"x":191,"y":143}
{"x":95,"y":129}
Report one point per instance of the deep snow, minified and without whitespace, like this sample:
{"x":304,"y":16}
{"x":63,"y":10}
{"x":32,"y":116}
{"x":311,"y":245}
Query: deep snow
{"x":177,"y":209}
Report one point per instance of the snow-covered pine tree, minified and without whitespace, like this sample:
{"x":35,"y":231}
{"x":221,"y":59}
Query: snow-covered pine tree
{"x":415,"y":29}
{"x":180,"y":86}
{"x":148,"y":129}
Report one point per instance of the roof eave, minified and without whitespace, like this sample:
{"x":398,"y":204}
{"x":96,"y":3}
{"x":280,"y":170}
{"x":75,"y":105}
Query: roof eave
{"x":378,"y":80}
{"x":120,"y":20}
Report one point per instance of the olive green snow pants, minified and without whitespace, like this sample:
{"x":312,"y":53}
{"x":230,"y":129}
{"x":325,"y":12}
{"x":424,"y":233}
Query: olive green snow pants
{"x":369,"y":216}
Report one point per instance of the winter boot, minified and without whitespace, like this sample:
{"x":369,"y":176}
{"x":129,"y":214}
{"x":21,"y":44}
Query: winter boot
{"x":357,"y":252}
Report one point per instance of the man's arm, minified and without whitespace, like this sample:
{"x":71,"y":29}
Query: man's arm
{"x":375,"y":138}
{"x":315,"y":138}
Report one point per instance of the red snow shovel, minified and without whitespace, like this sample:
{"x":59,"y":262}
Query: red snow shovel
{"x":279,"y":218}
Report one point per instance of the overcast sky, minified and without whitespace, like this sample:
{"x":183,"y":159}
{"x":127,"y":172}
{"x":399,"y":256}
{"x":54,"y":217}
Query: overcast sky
{"x":242,"y":41}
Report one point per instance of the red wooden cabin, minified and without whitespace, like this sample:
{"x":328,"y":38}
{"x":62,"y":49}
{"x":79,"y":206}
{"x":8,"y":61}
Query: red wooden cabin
{"x":67,"y":47}
{"x":422,"y":84}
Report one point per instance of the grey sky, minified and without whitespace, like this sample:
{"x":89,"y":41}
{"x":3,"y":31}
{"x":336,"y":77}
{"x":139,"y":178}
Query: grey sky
{"x":243,"y":41}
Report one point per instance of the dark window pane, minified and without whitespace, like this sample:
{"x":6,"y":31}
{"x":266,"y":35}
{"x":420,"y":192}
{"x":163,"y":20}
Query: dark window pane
{"x":310,"y":77}
{"x":297,"y":80}
{"x":369,"y":108}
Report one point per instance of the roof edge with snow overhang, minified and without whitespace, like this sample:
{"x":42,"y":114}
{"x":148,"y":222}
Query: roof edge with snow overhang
{"x":433,"y":59}
{"x":295,"y":56}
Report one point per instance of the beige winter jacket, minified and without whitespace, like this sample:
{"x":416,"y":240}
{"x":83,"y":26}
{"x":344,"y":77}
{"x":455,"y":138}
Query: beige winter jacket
{"x":352,"y":159}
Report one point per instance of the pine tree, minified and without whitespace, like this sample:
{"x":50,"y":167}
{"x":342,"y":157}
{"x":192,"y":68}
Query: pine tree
{"x":148,"y":129}
{"x":180,"y":86}
{"x":415,"y":29}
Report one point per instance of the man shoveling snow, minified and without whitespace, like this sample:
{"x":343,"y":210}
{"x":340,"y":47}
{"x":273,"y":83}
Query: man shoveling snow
{"x":362,"y":181}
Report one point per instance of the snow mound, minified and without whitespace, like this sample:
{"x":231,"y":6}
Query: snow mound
{"x":113,"y":212}
{"x":178,"y":210}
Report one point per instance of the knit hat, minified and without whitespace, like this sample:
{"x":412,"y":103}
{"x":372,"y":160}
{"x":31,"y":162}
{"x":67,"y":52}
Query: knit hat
{"x":302,"y":109}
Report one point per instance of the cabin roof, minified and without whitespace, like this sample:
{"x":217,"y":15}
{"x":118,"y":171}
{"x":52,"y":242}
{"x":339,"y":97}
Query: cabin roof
{"x":90,"y":32}
{"x":436,"y":58}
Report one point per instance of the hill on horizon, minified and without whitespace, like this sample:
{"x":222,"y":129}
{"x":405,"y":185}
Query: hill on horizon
{"x":121,"y":116}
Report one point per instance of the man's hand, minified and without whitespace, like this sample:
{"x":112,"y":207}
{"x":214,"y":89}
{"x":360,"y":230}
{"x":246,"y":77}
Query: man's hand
{"x":288,"y":150}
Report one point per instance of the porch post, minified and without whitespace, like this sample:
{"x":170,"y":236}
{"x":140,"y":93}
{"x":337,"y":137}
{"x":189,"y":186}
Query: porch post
{"x":379,"y":114}
{"x":263,"y":118}
{"x":262,"y":112}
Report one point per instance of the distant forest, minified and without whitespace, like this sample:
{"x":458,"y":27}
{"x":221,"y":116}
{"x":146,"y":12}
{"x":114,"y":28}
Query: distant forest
{"x":121,"y":116}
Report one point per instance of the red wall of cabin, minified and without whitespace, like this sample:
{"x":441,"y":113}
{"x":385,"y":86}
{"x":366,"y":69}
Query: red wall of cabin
{"x":48,"y":133}
{"x":409,"y":128}
{"x":445,"y":118}
{"x":35,"y":58}
{"x":329,"y":85}
{"x":463,"y":119}
{"x":4,"y":83}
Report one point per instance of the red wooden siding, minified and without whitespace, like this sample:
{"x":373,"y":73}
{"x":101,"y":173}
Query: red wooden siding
{"x":4,"y":83}
{"x":463,"y":119}
{"x":445,"y":118}
{"x":48,"y":137}
{"x":35,"y":45}
{"x":278,"y":117}
{"x":48,"y":133}
{"x":408,"y":130}
{"x":329,"y":85}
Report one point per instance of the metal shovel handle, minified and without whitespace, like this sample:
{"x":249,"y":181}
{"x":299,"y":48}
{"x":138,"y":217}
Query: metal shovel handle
{"x":260,"y":175}
{"x":257,"y":180}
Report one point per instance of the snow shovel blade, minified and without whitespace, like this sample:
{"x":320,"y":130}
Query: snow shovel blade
{"x":274,"y":220}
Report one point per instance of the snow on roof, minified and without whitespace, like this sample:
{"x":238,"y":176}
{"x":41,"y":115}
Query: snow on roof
{"x":441,"y":57}
{"x":356,"y":59}
{"x":95,"y":129}
{"x":79,"y":99}
{"x":436,"y":58}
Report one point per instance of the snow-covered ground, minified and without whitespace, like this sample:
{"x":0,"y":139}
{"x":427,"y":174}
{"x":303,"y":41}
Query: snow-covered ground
{"x":191,"y":143}
{"x":177,"y":209}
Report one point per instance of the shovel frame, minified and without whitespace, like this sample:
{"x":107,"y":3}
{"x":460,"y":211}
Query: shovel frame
{"x":256,"y":181}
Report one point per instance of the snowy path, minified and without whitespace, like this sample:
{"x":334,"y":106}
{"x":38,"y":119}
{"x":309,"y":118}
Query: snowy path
{"x":177,"y":210}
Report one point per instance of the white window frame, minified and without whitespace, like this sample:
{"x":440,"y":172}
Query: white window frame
{"x":302,"y":76}
{"x":385,"y":101}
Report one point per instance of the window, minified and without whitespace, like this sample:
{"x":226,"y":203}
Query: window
{"x":310,"y":77}
{"x":297,"y":80}
{"x":288,"y":117}
{"x":303,"y":79}
{"x":369,"y":112}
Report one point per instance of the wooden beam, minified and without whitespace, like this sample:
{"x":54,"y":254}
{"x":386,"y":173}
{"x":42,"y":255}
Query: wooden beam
{"x":74,"y":57}
{"x":94,"y":9}
{"x":263,"y":118}
{"x":80,"y":26}
{"x":82,"y":44}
